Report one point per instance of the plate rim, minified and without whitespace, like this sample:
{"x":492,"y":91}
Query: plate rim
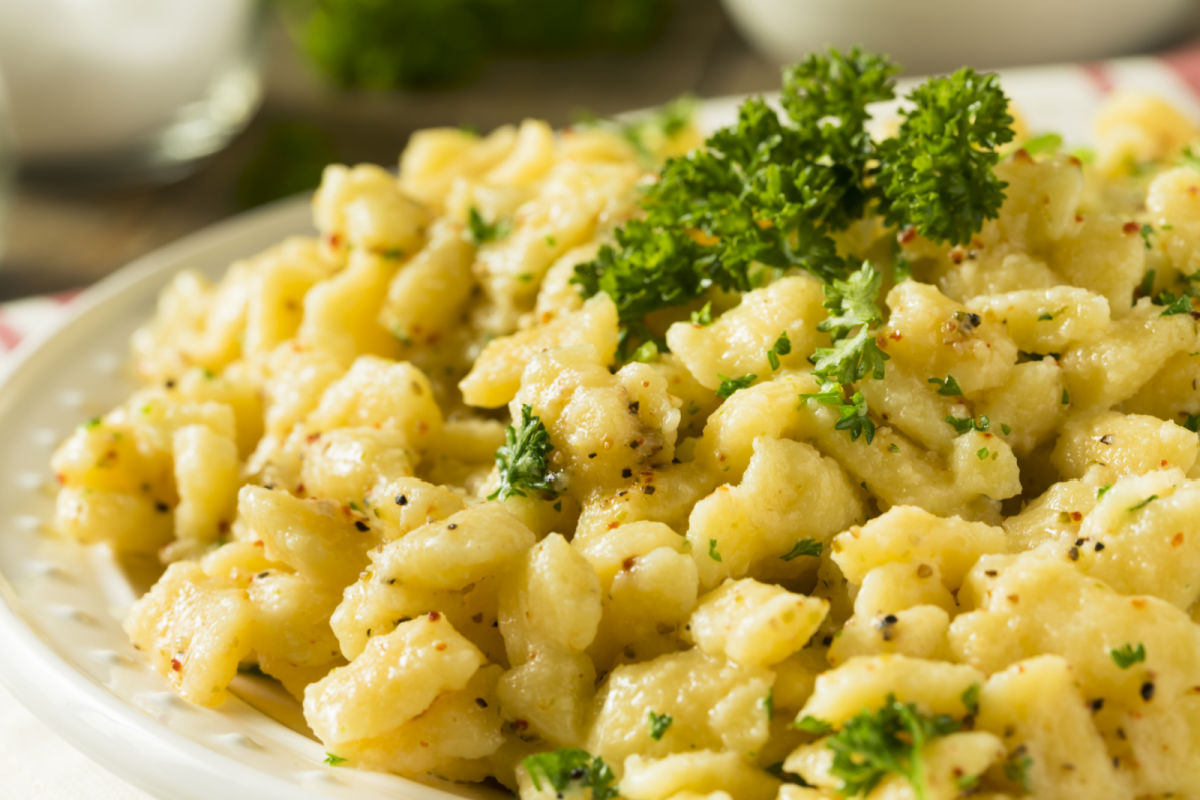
{"x":72,"y":705}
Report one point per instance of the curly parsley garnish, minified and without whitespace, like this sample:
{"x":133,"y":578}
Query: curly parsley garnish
{"x":561,"y":768}
{"x":936,"y":174}
{"x":874,"y":744}
{"x":521,"y":460}
{"x":764,"y":196}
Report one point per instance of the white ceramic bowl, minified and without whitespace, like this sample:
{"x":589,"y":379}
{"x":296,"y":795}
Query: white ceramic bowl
{"x":939,"y":35}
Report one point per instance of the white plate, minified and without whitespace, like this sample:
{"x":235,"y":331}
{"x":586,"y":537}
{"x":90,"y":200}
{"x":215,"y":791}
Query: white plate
{"x":64,"y":654}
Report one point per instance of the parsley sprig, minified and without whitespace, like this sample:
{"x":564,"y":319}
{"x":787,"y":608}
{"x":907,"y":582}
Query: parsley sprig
{"x":561,"y":768}
{"x":874,"y":744}
{"x":936,"y":173}
{"x":855,"y":353}
{"x":853,"y":316}
{"x":764,"y":196}
{"x":521,"y":460}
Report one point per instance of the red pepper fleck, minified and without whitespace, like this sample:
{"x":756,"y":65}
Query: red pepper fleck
{"x":1131,"y":227}
{"x":434,"y":616}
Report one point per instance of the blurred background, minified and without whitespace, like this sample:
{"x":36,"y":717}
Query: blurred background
{"x":125,"y":124}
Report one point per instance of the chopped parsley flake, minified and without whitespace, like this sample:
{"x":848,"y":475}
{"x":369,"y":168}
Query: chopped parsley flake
{"x":1045,"y":316}
{"x":963,"y":425}
{"x":521,"y":460}
{"x":1143,"y":503}
{"x":782,"y":346}
{"x":1175,"y":304}
{"x":480,"y":231}
{"x":1127,"y":655}
{"x":947,"y":387}
{"x":730,"y":385}
{"x":1188,"y":158}
{"x":703,"y":316}
{"x":874,"y":744}
{"x":768,"y":704}
{"x":561,"y":768}
{"x":1146,"y":231}
{"x":333,"y":760}
{"x":982,"y":453}
{"x":1005,"y":428}
{"x":1066,"y":397}
{"x":1048,"y":143}
{"x":1146,"y":287}
{"x":970,"y":699}
{"x":713,"y":553}
{"x":659,"y":724}
{"x":646,"y":352}
{"x":92,"y":423}
{"x":1016,"y":768}
{"x":804,"y":547}
{"x":1103,"y":490}
{"x":1191,"y":422}
{"x":852,"y":413}
{"x":812,"y":725}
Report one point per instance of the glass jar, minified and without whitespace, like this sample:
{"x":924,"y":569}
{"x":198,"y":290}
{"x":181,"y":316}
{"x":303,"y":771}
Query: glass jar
{"x":127,"y":90}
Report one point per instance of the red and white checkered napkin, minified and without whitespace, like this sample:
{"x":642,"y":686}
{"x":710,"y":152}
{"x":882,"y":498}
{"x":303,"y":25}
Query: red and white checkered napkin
{"x":21,"y":319}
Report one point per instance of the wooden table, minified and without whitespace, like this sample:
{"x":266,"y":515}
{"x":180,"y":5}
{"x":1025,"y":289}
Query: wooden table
{"x":61,"y":239}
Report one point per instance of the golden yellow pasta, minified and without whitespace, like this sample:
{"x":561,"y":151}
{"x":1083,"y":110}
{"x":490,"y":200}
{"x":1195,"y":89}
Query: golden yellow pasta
{"x":751,"y":523}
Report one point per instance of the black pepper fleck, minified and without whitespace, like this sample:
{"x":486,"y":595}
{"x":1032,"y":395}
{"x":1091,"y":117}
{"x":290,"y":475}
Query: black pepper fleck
{"x":401,"y":500}
{"x":1147,"y":691}
{"x":362,"y":526}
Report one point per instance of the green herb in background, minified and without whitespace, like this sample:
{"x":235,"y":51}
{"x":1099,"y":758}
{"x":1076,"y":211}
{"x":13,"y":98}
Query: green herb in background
{"x":288,"y":160}
{"x":405,"y":44}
